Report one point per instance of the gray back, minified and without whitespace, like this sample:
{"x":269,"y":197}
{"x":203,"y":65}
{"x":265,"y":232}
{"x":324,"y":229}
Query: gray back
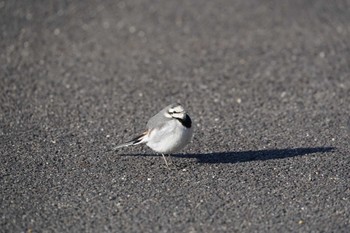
{"x":159,"y":119}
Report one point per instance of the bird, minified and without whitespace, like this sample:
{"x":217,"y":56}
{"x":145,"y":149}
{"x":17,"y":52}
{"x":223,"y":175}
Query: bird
{"x":169,"y":131}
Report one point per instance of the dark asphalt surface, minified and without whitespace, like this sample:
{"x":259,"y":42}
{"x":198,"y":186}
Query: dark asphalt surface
{"x":267,"y":84}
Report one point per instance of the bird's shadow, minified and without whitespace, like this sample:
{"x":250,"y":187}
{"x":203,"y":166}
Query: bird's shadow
{"x":250,"y":155}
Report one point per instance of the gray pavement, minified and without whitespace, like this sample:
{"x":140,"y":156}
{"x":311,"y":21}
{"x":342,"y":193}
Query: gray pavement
{"x":267,"y":84}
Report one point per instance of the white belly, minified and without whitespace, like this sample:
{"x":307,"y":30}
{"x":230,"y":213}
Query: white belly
{"x":171,"y":138}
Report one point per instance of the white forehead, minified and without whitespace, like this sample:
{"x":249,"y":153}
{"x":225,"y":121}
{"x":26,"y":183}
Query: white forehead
{"x":177,"y":108}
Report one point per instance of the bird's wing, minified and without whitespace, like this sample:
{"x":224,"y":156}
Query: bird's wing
{"x":163,"y":130}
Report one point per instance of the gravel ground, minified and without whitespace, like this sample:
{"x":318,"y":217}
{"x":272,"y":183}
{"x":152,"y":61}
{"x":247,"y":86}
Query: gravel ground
{"x":267,"y":84}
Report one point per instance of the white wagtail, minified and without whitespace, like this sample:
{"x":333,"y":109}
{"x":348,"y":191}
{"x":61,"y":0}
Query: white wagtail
{"x":167,"y":132}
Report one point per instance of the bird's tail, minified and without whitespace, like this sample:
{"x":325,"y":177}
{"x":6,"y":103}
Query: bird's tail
{"x":135,"y":141}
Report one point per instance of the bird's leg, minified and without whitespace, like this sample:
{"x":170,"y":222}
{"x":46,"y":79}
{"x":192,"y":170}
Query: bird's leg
{"x":166,"y":162}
